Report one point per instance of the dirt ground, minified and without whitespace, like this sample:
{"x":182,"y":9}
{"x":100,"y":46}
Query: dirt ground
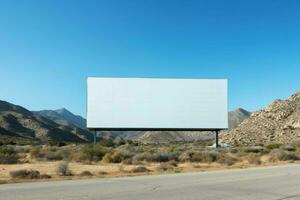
{"x":113,"y":170}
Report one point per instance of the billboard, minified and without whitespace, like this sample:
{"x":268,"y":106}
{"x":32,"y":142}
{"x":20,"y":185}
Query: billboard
{"x":155,"y":103}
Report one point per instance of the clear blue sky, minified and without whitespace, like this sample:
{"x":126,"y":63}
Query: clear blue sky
{"x":48,"y":48}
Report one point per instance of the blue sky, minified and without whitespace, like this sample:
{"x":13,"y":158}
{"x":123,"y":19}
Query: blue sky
{"x":49,"y":48}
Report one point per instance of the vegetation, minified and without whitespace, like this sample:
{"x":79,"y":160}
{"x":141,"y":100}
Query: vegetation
{"x":63,"y":169}
{"x":134,"y":157}
{"x":8,"y":155}
{"x":25,"y":174}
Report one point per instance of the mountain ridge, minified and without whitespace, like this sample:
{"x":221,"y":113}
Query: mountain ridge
{"x":18,"y":121}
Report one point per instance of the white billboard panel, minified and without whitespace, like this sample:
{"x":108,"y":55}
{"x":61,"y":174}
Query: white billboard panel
{"x":153,"y":103}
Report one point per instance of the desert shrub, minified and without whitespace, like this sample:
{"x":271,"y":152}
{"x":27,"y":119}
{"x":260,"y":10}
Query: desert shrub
{"x":141,"y":157}
{"x":45,"y":176}
{"x":51,"y":156}
{"x":119,"y":141}
{"x":128,"y":161}
{"x":86,"y":173}
{"x":288,"y":147}
{"x":101,"y":173}
{"x":92,"y":152}
{"x":139,"y":169}
{"x":233,"y":150}
{"x":116,"y":156}
{"x":185,"y":156}
{"x":282,"y":155}
{"x":57,"y":143}
{"x":256,"y":149}
{"x":22,"y":149}
{"x":296,"y":143}
{"x":24,"y":173}
{"x":106,"y":142}
{"x":162,"y":157}
{"x":273,"y":146}
{"x":63,"y":169}
{"x":8,"y":155}
{"x":226,"y":159}
{"x":199,"y":156}
{"x":253,"y":158}
{"x":36,"y":153}
{"x":165,"y":167}
{"x":173,"y":163}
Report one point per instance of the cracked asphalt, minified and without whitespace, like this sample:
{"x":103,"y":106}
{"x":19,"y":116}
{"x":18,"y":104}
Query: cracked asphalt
{"x":261,"y":183}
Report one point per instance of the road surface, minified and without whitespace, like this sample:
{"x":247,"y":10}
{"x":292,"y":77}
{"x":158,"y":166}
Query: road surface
{"x":263,"y":183}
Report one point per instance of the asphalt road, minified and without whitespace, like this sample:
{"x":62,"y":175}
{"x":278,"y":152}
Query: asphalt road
{"x":263,"y":183}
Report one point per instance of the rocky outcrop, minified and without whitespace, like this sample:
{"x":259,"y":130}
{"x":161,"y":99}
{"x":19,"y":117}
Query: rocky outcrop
{"x":277,"y":123}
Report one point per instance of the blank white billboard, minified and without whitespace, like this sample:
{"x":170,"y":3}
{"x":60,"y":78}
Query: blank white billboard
{"x":153,"y":103}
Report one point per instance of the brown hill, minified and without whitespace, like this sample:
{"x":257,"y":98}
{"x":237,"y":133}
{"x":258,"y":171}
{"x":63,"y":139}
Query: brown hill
{"x":18,"y":121}
{"x":236,"y":117}
{"x":277,"y":123}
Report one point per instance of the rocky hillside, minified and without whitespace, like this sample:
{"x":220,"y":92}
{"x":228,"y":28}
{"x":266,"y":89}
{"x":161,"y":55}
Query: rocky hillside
{"x":277,"y":123}
{"x":18,"y":121}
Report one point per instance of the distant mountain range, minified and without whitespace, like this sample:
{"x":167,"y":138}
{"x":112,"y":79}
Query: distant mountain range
{"x":18,"y":121}
{"x":63,"y":125}
{"x":234,"y":117}
{"x":63,"y":117}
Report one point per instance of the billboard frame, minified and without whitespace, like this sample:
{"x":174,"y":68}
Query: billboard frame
{"x":94,"y":130}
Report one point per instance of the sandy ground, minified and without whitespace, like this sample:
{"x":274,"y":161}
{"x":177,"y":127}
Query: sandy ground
{"x":113,"y":170}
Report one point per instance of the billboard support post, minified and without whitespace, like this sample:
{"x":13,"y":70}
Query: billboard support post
{"x":217,"y":138}
{"x":95,"y":133}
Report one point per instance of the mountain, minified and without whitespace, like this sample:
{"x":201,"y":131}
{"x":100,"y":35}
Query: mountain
{"x":279,"y":122}
{"x":63,"y":117}
{"x":173,"y":136}
{"x":236,"y":117}
{"x":18,"y":121}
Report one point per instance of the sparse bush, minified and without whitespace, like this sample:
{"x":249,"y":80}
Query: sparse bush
{"x":173,"y":163}
{"x":106,"y":142}
{"x":139,"y":169}
{"x":24,"y":173}
{"x":63,"y":169}
{"x":199,"y":156}
{"x":128,"y":161}
{"x":256,"y":149}
{"x":8,"y":155}
{"x":282,"y":155}
{"x":57,"y":143}
{"x":116,"y":156}
{"x":92,"y":152}
{"x":164,"y":157}
{"x":86,"y":173}
{"x":226,"y":159}
{"x":51,"y":156}
{"x":273,"y":146}
{"x":141,"y":157}
{"x":101,"y":173}
{"x":165,"y":167}
{"x":288,"y":148}
{"x":45,"y":176}
{"x":36,"y":153}
{"x":253,"y":158}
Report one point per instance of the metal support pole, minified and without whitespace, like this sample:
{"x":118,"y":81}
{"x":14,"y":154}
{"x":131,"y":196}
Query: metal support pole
{"x":217,"y":138}
{"x":95,"y":132}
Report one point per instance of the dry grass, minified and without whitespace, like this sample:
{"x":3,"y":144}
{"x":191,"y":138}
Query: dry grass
{"x":82,"y":161}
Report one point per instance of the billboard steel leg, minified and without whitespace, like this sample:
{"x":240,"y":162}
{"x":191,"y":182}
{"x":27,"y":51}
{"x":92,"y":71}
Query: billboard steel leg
{"x":217,"y":138}
{"x":95,"y":132}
